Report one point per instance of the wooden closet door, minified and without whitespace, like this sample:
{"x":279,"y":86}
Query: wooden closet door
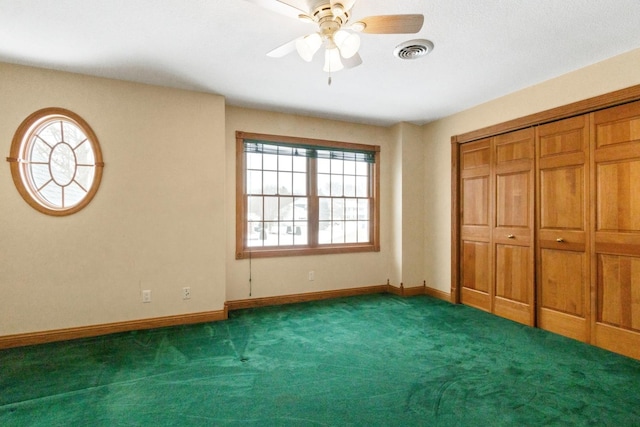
{"x":616,"y":253}
{"x":512,"y":235}
{"x":475,"y":250}
{"x":562,"y":264}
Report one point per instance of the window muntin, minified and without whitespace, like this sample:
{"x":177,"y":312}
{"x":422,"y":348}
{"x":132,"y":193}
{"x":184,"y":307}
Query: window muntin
{"x":299,"y":196}
{"x":56,"y":161}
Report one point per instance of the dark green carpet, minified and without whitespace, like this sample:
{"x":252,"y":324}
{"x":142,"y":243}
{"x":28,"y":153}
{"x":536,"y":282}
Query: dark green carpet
{"x":372,"y":360}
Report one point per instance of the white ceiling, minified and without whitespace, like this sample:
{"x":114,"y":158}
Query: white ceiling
{"x":483,"y":49}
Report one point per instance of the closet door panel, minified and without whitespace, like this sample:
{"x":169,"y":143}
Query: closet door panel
{"x":475,"y":223}
{"x":562,"y":281}
{"x":475,"y":275}
{"x":562,"y":261}
{"x":512,"y":234}
{"x":617,"y":230}
{"x":619,"y":291}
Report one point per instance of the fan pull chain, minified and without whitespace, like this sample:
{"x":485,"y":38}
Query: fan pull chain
{"x":329,"y":80}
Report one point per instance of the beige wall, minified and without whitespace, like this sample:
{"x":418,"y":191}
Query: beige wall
{"x":407,"y":207}
{"x":157,"y":221}
{"x":289,"y":275}
{"x":164,"y":216}
{"x":616,"y":73}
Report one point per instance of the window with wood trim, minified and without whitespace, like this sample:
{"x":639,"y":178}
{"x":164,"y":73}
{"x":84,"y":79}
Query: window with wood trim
{"x":56,"y":162}
{"x":298,"y":196}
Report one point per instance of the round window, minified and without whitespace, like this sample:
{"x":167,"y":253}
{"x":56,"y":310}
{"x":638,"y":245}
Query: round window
{"x":56,"y":162}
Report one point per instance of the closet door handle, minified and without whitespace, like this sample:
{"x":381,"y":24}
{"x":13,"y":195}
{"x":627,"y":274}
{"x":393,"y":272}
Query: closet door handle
{"x":559,"y":240}
{"x":510,"y":236}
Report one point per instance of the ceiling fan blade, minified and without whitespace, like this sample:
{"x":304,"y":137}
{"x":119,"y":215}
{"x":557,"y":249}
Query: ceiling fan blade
{"x":290,"y":8}
{"x":283,"y":50}
{"x":352,"y":62}
{"x":393,"y":24}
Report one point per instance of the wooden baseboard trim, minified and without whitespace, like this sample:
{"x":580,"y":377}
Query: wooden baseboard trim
{"x":32,"y":338}
{"x":306,"y":297}
{"x":418,"y":290}
{"x":20,"y":340}
{"x":436,"y":293}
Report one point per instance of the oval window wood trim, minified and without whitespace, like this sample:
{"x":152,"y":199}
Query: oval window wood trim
{"x":19,"y":160}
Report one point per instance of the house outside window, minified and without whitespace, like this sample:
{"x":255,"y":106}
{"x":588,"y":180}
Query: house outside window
{"x":298,"y":196}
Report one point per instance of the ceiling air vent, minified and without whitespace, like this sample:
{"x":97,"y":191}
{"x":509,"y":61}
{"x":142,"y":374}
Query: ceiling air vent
{"x":413,"y":49}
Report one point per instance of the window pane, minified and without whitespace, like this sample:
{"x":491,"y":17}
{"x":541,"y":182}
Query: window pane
{"x":337,"y":166}
{"x":363,"y":232}
{"x":254,"y":182}
{"x":324,"y":232}
{"x":338,"y":209}
{"x":324,"y":165}
{"x":271,"y":208}
{"x":254,"y":206}
{"x":324,"y":185}
{"x":362,"y":168}
{"x":351,"y":231}
{"x":255,"y":234}
{"x":349,"y":185}
{"x":362,"y":186}
{"x":270,"y":183}
{"x":72,"y":134}
{"x":363,"y":209}
{"x":351,"y":209}
{"x":336,"y":185}
{"x":39,"y":175}
{"x":285,"y":163}
{"x":73,"y":193}
{"x":84,"y":176}
{"x":270,"y":162}
{"x":299,"y":164}
{"x":51,"y":134}
{"x":254,"y":160}
{"x":349,"y":167}
{"x":325,"y":209}
{"x":52,"y":193}
{"x":285,"y":183}
{"x":300,"y":209}
{"x":300,"y":184}
{"x":286,"y":209}
{"x":84,"y":154}
{"x":300,"y":236}
{"x":40,"y":151}
{"x":337,"y":234}
{"x":286,"y":238}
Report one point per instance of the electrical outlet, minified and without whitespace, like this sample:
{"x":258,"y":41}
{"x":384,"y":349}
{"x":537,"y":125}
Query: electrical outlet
{"x":146,"y":295}
{"x":186,"y":292}
{"x":312,"y":276}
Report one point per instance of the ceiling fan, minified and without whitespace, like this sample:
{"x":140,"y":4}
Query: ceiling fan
{"x":336,"y":33}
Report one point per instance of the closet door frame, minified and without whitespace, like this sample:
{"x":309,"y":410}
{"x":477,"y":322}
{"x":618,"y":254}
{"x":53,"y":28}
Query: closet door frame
{"x":586,"y":106}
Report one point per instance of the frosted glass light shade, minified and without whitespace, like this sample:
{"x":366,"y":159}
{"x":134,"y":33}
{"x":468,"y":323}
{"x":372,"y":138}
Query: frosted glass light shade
{"x":332,"y":60}
{"x":308,"y":46}
{"x":348,"y":43}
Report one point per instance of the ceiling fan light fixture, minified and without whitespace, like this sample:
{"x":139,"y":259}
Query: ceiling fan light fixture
{"x":358,"y":26}
{"x":332,"y":60}
{"x":337,"y":9}
{"x":307,"y":46}
{"x":348,"y":43}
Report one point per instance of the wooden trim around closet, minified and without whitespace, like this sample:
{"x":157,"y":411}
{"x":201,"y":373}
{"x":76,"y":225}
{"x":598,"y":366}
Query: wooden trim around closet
{"x":589,"y":105}
{"x":619,"y":97}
